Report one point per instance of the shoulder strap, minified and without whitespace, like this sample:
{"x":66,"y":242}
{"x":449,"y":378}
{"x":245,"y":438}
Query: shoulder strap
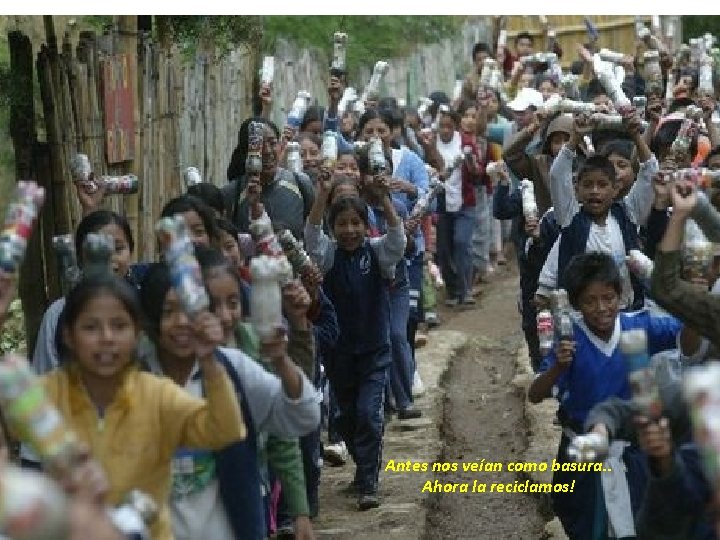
{"x":305,"y":195}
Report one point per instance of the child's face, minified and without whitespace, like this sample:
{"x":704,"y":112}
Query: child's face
{"x":624,"y":173}
{"x":601,"y":99}
{"x":347,"y":124}
{"x":347,"y":166}
{"x":230,"y":248}
{"x":599,"y":304}
{"x":270,"y":151}
{"x":198,"y":233}
{"x":315,"y":127}
{"x":225,"y":301}
{"x":523,"y":47}
{"x":526,"y":80}
{"x":377,"y":128}
{"x":479,"y":60}
{"x":557,"y":139}
{"x":349,"y":230}
{"x":467,"y":122}
{"x":547,"y":89}
{"x":103,"y":338}
{"x":493,"y":105}
{"x":310,"y":155}
{"x":177,"y":338}
{"x":596,"y":192}
{"x":446,"y":128}
{"x":121,"y":257}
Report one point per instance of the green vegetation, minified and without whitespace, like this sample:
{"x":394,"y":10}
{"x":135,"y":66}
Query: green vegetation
{"x":371,"y":37}
{"x":696,"y":25}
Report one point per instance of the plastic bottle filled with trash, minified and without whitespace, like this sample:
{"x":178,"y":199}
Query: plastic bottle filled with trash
{"x":611,"y":56}
{"x":701,"y":391}
{"x":577,"y":107}
{"x":98,"y":250}
{"x":256,"y":137}
{"x":34,"y":419}
{"x":376,"y":157}
{"x":697,"y":251}
{"x":329,"y":150}
{"x":297,"y":111}
{"x":32,"y":506}
{"x":489,"y":65}
{"x":588,"y":448}
{"x":562,"y":320}
{"x":348,"y":98}
{"x":705,"y":77}
{"x":267,"y":272}
{"x":64,"y":248}
{"x":545,"y":330}
{"x":652,"y":70}
{"x":423,"y":203}
{"x":135,"y":515}
{"x":379,"y":71}
{"x":20,"y":217}
{"x":296,"y":255}
{"x":641,"y":372}
{"x":340,"y":40}
{"x":82,"y":173}
{"x":126,"y":184}
{"x":185,"y":273}
{"x":294,"y":159}
{"x":267,"y":75}
{"x":192,"y":177}
{"x":529,"y":204}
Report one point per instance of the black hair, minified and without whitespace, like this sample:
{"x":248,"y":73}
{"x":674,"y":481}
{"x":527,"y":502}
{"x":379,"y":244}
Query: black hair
{"x":210,"y":194}
{"x":689,"y":72}
{"x":95,"y":221}
{"x":236,"y":169}
{"x":190,"y":203}
{"x":372,"y":114}
{"x":478,"y":48}
{"x":90,"y":287}
{"x":714,"y":152}
{"x":363,"y":161}
{"x":347,"y":151}
{"x":388,"y":103}
{"x":312,"y":137}
{"x":466,"y":104}
{"x":524,"y":35}
{"x":595,"y":88}
{"x":680,"y":103}
{"x":597,"y":163}
{"x":665,"y":136}
{"x":541,"y":78}
{"x":209,"y":259}
{"x":312,"y":114}
{"x":342,"y":181}
{"x":348,"y":203}
{"x":455,"y":117}
{"x":227,"y":226}
{"x":153,"y":291}
{"x":587,"y":268}
{"x":625,"y":149}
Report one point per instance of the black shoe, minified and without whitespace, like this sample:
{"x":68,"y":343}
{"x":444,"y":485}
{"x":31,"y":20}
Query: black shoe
{"x":408,"y":413}
{"x":366,"y":501}
{"x":353,"y":488}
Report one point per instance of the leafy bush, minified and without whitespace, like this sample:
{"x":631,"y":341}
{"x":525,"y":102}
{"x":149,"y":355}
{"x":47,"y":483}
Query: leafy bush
{"x":12,"y":338}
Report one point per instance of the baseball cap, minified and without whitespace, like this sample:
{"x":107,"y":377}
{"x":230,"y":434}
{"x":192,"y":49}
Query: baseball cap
{"x":526,"y":98}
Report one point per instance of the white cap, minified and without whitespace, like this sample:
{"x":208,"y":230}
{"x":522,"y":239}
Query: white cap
{"x":526,"y":98}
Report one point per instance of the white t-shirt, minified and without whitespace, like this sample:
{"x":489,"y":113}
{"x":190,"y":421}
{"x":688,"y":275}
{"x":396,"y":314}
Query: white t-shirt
{"x":453,"y":185}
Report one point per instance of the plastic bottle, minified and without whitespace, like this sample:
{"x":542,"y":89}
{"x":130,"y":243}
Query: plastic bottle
{"x":294,"y":160}
{"x":588,"y":448}
{"x":192,"y":177}
{"x":329,"y":150}
{"x":98,"y":250}
{"x":340,"y":40}
{"x":64,"y":247}
{"x":562,"y":321}
{"x":545,"y":330}
{"x":135,"y":515}
{"x":376,"y":157}
{"x":641,"y":373}
{"x":256,"y":136}
{"x":529,"y":204}
{"x":697,"y":251}
{"x":20,"y":217}
{"x":297,"y":111}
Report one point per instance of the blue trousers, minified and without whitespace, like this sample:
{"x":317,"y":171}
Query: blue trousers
{"x":358,"y":382}
{"x":402,"y":368}
{"x":455,"y":231}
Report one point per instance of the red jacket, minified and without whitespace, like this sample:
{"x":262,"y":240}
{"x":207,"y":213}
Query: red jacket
{"x":469,"y":180}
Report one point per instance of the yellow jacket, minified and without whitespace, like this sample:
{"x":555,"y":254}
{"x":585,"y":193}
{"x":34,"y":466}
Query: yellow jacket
{"x":147,"y":421}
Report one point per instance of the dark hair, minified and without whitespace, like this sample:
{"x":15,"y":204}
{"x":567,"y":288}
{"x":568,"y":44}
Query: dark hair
{"x":314,"y":113}
{"x":597,"y":163}
{"x":90,"y":287}
{"x":625,"y":149}
{"x":95,"y":221}
{"x":348,"y":203}
{"x":665,"y":136}
{"x":227,"y":226}
{"x":312,"y":137}
{"x":689,"y":72}
{"x":190,"y":203}
{"x":524,"y":35}
{"x":466,"y":104}
{"x":679,"y":103}
{"x":153,"y":290}
{"x":342,"y":181}
{"x":714,"y":152}
{"x":363,"y":161}
{"x":541,"y":78}
{"x":478,"y":48}
{"x":372,"y":114}
{"x":236,"y":169}
{"x":455,"y":116}
{"x":209,"y":259}
{"x":587,"y":268}
{"x":595,"y":88}
{"x":210,"y":194}
{"x":388,"y":103}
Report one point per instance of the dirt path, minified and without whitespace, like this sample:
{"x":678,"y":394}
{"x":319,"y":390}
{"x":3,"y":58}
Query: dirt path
{"x":483,"y":418}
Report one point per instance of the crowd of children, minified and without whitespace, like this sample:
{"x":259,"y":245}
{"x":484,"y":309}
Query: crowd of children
{"x":588,"y":177}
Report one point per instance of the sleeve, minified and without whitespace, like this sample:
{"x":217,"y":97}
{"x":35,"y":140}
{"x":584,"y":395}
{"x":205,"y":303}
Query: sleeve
{"x":656,"y":225}
{"x":301,"y":348}
{"x":307,"y":190}
{"x":561,"y":382}
{"x":616,"y":414}
{"x":519,"y":162}
{"x":319,"y":246}
{"x":707,"y":218}
{"x":506,"y":205}
{"x":695,"y":307}
{"x":325,"y":325}
{"x":271,"y":409}
{"x":662,"y":332}
{"x":45,"y":356}
{"x":212,"y":423}
{"x":675,"y":503}
{"x":639,"y":201}
{"x":286,"y":461}
{"x":549,"y":274}
{"x":390,"y":248}
{"x":562,"y":190}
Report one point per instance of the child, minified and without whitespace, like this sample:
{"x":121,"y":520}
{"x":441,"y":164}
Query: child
{"x":45,"y":355}
{"x":198,"y":216}
{"x":211,"y":195}
{"x":355,"y":270}
{"x":284,"y":404}
{"x":588,"y":370}
{"x":133,"y":422}
{"x":310,"y":154}
{"x":600,"y":224}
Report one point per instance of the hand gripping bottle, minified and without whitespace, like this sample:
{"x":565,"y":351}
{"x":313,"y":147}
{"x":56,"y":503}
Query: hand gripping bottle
{"x":135,"y":515}
{"x":185,"y":273}
{"x":296,"y":255}
{"x":20,"y":217}
{"x":256,"y":136}
{"x":529,"y":205}
{"x":546,"y":333}
{"x":588,"y":448}
{"x":294,"y":160}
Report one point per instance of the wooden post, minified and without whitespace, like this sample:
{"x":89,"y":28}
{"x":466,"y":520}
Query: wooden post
{"x":32,"y":289}
{"x":127,"y":26}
